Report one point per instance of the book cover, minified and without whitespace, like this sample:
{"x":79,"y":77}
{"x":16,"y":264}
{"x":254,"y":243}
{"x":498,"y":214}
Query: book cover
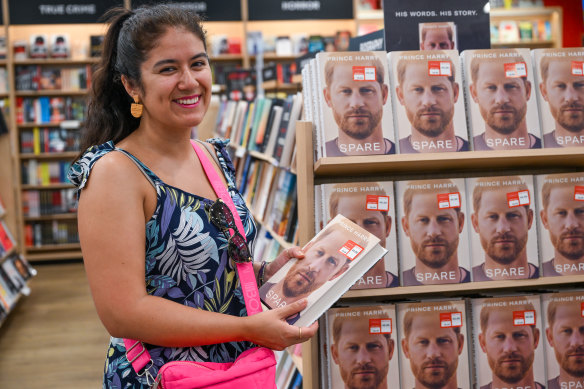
{"x":560,"y":207}
{"x":355,"y":107}
{"x":334,"y":259}
{"x":432,"y":232}
{"x":39,"y":46}
{"x":508,"y":342}
{"x":445,"y":25}
{"x":374,"y":41}
{"x":371,"y":205}
{"x":6,"y":239}
{"x":433,"y":345}
{"x":428,"y":101}
{"x":559,"y":73}
{"x":504,"y":231}
{"x":60,"y":47}
{"x":500,"y":99}
{"x":563,"y":320}
{"x":362,"y":347}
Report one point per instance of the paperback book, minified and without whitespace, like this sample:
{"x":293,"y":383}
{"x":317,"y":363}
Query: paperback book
{"x":560,"y":223}
{"x":508,"y":342}
{"x":428,"y":103}
{"x":355,"y":114}
{"x":371,"y":205}
{"x":369,"y":331}
{"x":334,"y":260}
{"x":500,"y":99}
{"x":432,"y":232}
{"x":559,"y":73}
{"x":424,"y":328}
{"x":504,"y":230}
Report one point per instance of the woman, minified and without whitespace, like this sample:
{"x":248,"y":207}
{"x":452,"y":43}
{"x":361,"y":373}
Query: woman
{"x":158,"y":268}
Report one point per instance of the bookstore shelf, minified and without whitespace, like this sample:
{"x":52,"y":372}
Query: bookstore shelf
{"x":53,"y":247}
{"x":532,"y":43}
{"x":50,"y":155}
{"x":47,"y":92}
{"x":17,"y":299}
{"x":54,"y":61}
{"x":371,"y":14}
{"x":545,"y":23}
{"x":283,"y":242}
{"x":8,"y":253}
{"x":55,"y":216}
{"x":33,"y":125}
{"x":408,"y":165}
{"x":63,"y":185}
{"x":54,"y":256}
{"x":278,"y":86}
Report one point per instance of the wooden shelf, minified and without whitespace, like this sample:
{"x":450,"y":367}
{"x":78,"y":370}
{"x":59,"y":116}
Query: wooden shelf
{"x":54,"y":256}
{"x":33,"y":125}
{"x":61,"y":185}
{"x":531,"y":44}
{"x":275,"y":85}
{"x":226,"y":57}
{"x":466,"y":288}
{"x":521,"y":12}
{"x":50,"y":92}
{"x":283,"y":242}
{"x":56,"y":61}
{"x":55,"y":216}
{"x":52,"y":247}
{"x":61,"y":155}
{"x":461,"y":162}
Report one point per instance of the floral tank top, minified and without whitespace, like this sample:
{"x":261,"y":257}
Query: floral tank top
{"x":186,"y":262}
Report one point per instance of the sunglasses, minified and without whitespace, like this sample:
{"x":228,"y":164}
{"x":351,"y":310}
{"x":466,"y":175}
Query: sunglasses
{"x":223,"y":219}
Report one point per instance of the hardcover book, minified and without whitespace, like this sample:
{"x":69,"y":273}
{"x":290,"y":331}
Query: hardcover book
{"x":428,"y":101}
{"x":60,"y":47}
{"x":369,"y":331}
{"x":560,"y":206}
{"x":6,"y":239}
{"x":432,"y":232}
{"x":433,"y":345}
{"x":563,"y":320}
{"x":355,"y":107}
{"x":39,"y":46}
{"x":334,"y":260}
{"x":559,"y":73}
{"x":504,"y":229}
{"x":372,"y":206}
{"x":507,"y":341}
{"x":500,"y":99}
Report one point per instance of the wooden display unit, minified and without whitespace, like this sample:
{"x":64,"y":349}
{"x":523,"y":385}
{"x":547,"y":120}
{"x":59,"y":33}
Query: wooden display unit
{"x":400,"y":167}
{"x":551,"y":15}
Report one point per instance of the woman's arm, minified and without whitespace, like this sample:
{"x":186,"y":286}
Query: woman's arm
{"x":112,"y":231}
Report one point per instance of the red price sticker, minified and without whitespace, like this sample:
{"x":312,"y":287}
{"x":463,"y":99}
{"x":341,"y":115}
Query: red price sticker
{"x":439,"y":68}
{"x":582,"y":309}
{"x":448,"y":200}
{"x":523,"y":318}
{"x":351,"y":250}
{"x":579,"y":193}
{"x":514,"y":70}
{"x":450,"y":319}
{"x":379,"y":326}
{"x":577,"y":68}
{"x":518,"y":199}
{"x":377,"y":203}
{"x":364,"y":73}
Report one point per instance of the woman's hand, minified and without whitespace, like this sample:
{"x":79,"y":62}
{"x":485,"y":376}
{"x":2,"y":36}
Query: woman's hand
{"x":270,"y":329}
{"x":285,"y":256}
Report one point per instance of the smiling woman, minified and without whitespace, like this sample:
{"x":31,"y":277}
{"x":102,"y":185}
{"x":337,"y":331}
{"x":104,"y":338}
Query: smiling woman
{"x":160,"y":270}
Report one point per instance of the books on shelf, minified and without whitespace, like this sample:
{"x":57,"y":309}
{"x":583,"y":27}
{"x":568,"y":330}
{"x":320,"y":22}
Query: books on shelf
{"x":558,"y":75}
{"x":334,"y":259}
{"x":52,"y":232}
{"x":501,"y":104}
{"x":428,"y":102}
{"x":432,"y":231}
{"x":504,"y":231}
{"x":7,"y":242}
{"x":60,"y":47}
{"x":371,"y":205}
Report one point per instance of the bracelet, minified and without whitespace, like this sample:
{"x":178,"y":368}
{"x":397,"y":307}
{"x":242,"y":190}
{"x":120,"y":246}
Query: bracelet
{"x":261,"y":273}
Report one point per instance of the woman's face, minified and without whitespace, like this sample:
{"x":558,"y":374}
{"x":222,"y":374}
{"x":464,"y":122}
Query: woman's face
{"x":176,"y":81}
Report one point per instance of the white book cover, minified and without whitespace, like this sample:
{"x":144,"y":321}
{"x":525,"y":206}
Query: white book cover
{"x":428,"y":101}
{"x":307,"y":91}
{"x":317,"y":103}
{"x":39,"y":46}
{"x":434,"y":345}
{"x":432,"y":232}
{"x":560,"y":207}
{"x":362,"y":347}
{"x":60,"y":47}
{"x":334,"y":259}
{"x":355,"y":103}
{"x":500,"y":99}
{"x":559,"y":76}
{"x":508,"y":342}
{"x":563,"y":320}
{"x":504,"y":228}
{"x":372,"y":206}
{"x":290,"y":141}
{"x":318,"y":209}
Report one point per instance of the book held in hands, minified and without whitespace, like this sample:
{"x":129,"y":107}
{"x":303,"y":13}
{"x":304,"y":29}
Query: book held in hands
{"x":334,"y":260}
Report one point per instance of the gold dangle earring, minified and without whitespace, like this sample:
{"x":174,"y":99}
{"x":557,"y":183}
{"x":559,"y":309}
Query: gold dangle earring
{"x":136,"y":108}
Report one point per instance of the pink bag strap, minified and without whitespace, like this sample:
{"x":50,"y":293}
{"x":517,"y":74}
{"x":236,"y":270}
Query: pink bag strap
{"x":136,"y":353}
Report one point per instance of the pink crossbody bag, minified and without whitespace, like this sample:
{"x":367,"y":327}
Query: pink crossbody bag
{"x":253,"y":369}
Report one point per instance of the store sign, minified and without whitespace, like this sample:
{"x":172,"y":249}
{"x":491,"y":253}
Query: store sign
{"x":214,"y":11}
{"x":300,"y":9}
{"x":59,"y":12}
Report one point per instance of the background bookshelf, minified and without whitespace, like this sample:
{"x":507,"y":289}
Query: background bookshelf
{"x":396,"y":167}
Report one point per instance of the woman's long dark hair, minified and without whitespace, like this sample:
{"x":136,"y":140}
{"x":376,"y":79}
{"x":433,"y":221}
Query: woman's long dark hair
{"x":130,"y":36}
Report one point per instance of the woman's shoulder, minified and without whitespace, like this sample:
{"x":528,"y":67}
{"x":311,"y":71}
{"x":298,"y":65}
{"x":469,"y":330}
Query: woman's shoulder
{"x":80,"y":170}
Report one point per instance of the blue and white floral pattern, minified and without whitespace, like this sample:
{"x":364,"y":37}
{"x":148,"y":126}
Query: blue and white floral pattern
{"x":186,"y":262}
